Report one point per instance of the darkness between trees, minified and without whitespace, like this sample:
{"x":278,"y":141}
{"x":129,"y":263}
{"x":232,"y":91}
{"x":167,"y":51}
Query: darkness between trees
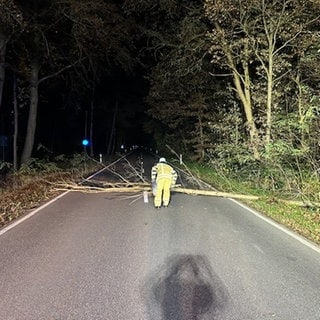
{"x":228,"y":80}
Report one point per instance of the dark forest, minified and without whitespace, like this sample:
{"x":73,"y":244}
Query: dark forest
{"x":219,"y":80}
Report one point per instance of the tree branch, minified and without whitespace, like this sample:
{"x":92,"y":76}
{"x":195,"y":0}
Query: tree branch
{"x":59,"y":71}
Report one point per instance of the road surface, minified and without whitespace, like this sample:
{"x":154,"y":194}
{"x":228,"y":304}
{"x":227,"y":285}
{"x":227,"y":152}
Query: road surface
{"x":114,"y":257}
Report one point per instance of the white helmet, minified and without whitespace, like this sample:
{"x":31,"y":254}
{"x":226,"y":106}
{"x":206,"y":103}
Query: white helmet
{"x":162,"y":160}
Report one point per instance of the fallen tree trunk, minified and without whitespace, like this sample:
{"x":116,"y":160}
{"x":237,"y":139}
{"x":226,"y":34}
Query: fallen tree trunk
{"x":215,"y":193}
{"x":306,"y":203}
{"x":117,"y":185}
{"x":95,"y":187}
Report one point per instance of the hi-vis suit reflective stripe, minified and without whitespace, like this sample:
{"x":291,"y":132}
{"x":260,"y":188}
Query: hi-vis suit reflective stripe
{"x":163,"y":170}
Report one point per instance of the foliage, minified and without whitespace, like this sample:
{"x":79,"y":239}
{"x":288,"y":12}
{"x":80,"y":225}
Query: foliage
{"x":101,"y":33}
{"x":33,"y":165}
{"x":5,"y":166}
{"x":280,"y":172}
{"x":180,"y":87}
{"x":259,"y":43}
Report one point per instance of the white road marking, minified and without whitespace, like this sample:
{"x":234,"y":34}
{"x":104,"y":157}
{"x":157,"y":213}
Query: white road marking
{"x":258,"y":248}
{"x":29,"y":215}
{"x":279,"y":226}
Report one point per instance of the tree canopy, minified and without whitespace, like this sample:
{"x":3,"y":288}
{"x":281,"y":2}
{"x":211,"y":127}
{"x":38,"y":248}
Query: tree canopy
{"x":217,"y":79}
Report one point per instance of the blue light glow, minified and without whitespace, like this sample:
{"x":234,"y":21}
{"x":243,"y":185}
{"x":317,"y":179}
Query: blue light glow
{"x":85,"y":142}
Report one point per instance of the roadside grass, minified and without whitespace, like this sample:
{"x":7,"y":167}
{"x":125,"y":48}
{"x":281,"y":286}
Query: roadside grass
{"x":304,"y":220}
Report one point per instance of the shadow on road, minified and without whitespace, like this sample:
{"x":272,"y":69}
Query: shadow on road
{"x":185,"y":288}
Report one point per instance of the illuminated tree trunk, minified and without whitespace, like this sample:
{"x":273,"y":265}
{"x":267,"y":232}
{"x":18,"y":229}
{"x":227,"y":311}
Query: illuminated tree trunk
{"x":201,"y":138}
{"x":269,"y":99}
{"x":242,"y":85}
{"x":91,"y":125}
{"x":112,"y":136}
{"x":33,"y":109}
{"x":300,"y":111}
{"x":15,"y":115}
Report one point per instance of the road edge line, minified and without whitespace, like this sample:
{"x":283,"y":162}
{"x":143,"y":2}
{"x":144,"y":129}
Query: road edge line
{"x":29,"y":215}
{"x":289,"y":232}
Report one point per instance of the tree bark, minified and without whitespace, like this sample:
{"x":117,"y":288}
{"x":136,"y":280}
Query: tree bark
{"x":91,"y":124}
{"x":33,"y":109}
{"x":302,"y":119}
{"x":113,"y":132}
{"x":269,"y":99}
{"x":242,"y":86}
{"x":15,"y":115}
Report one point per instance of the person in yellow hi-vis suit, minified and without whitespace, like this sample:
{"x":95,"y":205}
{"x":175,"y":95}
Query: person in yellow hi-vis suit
{"x":164,"y":176}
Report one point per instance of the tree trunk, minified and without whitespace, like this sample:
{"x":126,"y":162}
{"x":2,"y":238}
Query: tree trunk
{"x":3,"y":46}
{"x":91,"y":125}
{"x":15,"y":115}
{"x":112,"y":133}
{"x":300,"y":111}
{"x":33,"y":109}
{"x":269,"y":97}
{"x":201,"y":137}
{"x":249,"y":112}
{"x":242,"y":85}
{"x":245,"y":97}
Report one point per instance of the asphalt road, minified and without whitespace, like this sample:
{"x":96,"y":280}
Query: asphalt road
{"x":114,"y":257}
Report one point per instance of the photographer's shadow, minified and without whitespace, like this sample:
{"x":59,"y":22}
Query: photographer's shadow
{"x":185,"y":288}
